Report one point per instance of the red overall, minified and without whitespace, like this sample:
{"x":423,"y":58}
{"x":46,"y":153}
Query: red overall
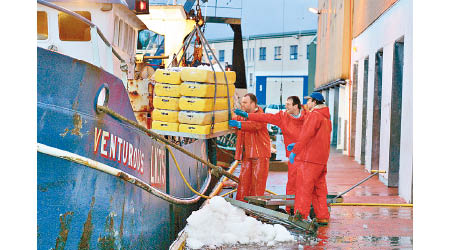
{"x":313,"y":150}
{"x":253,"y":149}
{"x":290,"y":127}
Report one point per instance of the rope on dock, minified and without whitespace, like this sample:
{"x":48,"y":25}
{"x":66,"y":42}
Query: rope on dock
{"x":372,"y":204}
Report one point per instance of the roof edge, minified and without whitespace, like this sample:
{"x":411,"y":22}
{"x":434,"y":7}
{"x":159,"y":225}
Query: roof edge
{"x":267,"y":36}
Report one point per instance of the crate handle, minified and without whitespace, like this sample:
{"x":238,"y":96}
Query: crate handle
{"x":190,"y":116}
{"x":165,"y":100}
{"x":190,"y":101}
{"x":166,"y":73}
{"x":164,"y":113}
{"x":164,"y":125}
{"x":192,"y":87}
{"x":191,"y":127}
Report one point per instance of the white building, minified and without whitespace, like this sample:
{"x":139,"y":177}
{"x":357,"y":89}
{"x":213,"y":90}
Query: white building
{"x":364,"y":70}
{"x":383,"y":73}
{"x":276,"y":65}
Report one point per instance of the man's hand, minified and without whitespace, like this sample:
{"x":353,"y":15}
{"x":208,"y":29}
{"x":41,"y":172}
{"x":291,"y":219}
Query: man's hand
{"x":241,"y":113}
{"x":305,"y":107}
{"x":292,"y":157}
{"x":233,"y":123}
{"x":290,"y":146}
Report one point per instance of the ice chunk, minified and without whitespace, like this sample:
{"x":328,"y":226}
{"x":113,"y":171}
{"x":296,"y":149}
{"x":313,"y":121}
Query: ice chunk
{"x":219,"y":223}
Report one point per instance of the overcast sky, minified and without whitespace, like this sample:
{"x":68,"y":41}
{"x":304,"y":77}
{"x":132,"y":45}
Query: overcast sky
{"x":261,"y":16}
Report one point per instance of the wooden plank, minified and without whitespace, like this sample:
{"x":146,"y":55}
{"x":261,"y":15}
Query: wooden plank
{"x":190,"y":135}
{"x":281,"y":200}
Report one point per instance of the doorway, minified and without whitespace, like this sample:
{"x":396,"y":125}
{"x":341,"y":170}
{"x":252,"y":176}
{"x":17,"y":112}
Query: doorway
{"x":396,"y":114}
{"x":354,"y":104}
{"x":377,"y":96}
{"x":364,"y":112}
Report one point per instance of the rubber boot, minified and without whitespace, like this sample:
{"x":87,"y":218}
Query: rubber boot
{"x":310,"y":173}
{"x":259,"y":176}
{"x":291,"y":182}
{"x":319,"y":198}
{"x":245,"y":180}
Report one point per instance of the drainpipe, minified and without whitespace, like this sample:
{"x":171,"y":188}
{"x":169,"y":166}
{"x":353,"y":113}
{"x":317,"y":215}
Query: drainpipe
{"x":254,"y":61}
{"x":350,"y":91}
{"x":247,"y":55}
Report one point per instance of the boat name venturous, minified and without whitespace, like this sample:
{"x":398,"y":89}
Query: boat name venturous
{"x":119,"y":150}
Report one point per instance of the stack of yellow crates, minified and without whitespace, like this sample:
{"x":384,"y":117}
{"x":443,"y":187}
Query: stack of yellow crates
{"x":165,"y":102}
{"x":197,"y":100}
{"x":194,"y":96}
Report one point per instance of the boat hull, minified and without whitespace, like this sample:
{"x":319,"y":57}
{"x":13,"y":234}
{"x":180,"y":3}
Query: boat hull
{"x":82,"y":207}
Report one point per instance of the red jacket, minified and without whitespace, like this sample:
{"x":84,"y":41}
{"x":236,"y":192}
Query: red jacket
{"x":289,"y":125}
{"x":252,"y":139}
{"x":314,"y":141}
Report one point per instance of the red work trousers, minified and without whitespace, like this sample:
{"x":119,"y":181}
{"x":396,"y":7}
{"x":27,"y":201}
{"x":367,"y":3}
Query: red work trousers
{"x":292,"y":179}
{"x":253,"y":177}
{"x":312,"y":187}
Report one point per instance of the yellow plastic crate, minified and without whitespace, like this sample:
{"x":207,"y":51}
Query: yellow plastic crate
{"x":203,"y":129}
{"x":204,"y":75}
{"x":163,"y":102}
{"x":204,"y":104}
{"x":166,"y":76}
{"x":202,"y":118}
{"x":164,"y":89}
{"x":165,"y":115}
{"x":168,"y":126}
{"x":205,"y":90}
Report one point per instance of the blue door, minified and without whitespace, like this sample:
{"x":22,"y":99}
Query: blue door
{"x":261,"y":89}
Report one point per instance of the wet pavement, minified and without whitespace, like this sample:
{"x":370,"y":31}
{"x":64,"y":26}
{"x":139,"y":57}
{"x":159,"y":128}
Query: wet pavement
{"x":356,"y":227}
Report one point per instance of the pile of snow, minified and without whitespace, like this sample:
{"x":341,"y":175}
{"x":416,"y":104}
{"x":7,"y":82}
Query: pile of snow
{"x":219,"y":223}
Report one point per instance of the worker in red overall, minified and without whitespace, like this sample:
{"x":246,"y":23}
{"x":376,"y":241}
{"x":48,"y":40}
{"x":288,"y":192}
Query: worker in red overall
{"x":252,"y":149}
{"x":290,"y":123}
{"x":313,"y":149}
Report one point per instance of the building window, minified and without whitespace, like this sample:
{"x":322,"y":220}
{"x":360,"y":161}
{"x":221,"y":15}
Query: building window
{"x":294,"y":52}
{"x":126,"y":37}
{"x":72,"y":29}
{"x":42,"y":25}
{"x":277,"y":53}
{"x":262,"y":53}
{"x":221,"y":55}
{"x":116,"y":31}
{"x":132,"y":41}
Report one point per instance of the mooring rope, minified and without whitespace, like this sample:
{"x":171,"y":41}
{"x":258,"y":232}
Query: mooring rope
{"x":216,"y":170}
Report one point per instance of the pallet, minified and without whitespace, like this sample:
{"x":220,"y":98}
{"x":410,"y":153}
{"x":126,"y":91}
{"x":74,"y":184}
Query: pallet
{"x":275,"y":201}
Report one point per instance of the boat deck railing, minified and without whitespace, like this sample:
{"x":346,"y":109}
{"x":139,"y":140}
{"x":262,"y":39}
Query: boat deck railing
{"x":95,"y":31}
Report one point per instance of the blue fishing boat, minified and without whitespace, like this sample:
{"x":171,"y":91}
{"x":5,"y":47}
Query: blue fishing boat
{"x":102,"y":181}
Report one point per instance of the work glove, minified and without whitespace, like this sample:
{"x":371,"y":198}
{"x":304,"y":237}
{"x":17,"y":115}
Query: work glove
{"x":305,"y":107}
{"x":292,"y":157}
{"x":290,"y":146}
{"x":241,"y":113}
{"x":233,"y":123}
